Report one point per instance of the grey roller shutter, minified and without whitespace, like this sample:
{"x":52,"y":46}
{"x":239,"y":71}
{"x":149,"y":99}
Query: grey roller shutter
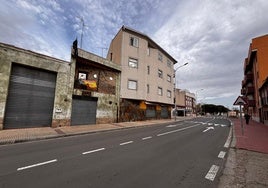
{"x":83,"y":110}
{"x":164,"y":112}
{"x":30,"y":98}
{"x":150,"y":111}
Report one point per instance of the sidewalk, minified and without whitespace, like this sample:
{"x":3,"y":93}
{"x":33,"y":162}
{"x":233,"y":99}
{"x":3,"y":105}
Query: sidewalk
{"x":247,"y":162}
{"x":255,"y":136}
{"x":29,"y":134}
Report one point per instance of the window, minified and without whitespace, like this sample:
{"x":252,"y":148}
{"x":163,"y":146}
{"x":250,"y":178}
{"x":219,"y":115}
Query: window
{"x":168,"y":78}
{"x":160,"y":91}
{"x":148,"y":88}
{"x":148,"y":69}
{"x":148,"y":51}
{"x":168,"y":93}
{"x":169,"y":63}
{"x":160,"y":73}
{"x":160,"y":56}
{"x":133,"y":63}
{"x":132,"y":84}
{"x":134,"y":42}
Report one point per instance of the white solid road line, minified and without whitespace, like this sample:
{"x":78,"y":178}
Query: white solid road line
{"x":221,"y":154}
{"x":177,"y":130}
{"x":212,"y":172}
{"x":146,"y":138}
{"x":125,"y":143}
{"x":93,"y":151}
{"x":38,"y":164}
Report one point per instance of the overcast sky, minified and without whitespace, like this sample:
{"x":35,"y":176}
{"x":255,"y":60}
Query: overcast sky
{"x":212,"y":35}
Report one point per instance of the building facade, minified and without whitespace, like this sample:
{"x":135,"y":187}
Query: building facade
{"x":96,"y":89}
{"x":146,"y":79}
{"x":42,"y":91}
{"x":185,"y":102}
{"x":254,"y":84}
{"x":36,"y":90}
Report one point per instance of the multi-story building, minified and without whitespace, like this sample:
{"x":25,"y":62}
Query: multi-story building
{"x":185,"y":102}
{"x":254,"y":85}
{"x":96,"y":89}
{"x":146,"y":78}
{"x":42,"y":91}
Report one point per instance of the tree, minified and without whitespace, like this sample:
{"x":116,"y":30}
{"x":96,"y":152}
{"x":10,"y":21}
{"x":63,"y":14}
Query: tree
{"x":212,"y":109}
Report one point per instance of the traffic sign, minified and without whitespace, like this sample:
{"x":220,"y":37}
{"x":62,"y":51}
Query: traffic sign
{"x":240,"y":101}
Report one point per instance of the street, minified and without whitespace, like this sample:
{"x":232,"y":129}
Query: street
{"x":188,"y":153}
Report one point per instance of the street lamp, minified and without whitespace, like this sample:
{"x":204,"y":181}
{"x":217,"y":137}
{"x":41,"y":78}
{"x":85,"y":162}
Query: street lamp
{"x":175,"y":87}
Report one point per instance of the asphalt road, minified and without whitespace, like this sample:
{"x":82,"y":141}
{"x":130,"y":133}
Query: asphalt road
{"x":180,"y":154}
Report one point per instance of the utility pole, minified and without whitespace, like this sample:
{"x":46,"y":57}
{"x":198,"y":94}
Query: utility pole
{"x":102,"y":48}
{"x":175,"y":88}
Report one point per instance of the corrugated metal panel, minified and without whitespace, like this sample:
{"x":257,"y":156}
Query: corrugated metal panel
{"x":83,"y":110}
{"x":30,"y":98}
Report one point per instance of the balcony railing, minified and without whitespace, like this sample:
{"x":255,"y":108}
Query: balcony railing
{"x":243,"y":91}
{"x":243,"y":83}
{"x":248,"y":77}
{"x":251,"y":103}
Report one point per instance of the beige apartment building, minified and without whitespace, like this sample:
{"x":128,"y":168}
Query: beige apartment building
{"x":185,"y":102}
{"x":147,"y":76}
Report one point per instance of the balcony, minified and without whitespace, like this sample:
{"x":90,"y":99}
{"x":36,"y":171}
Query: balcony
{"x":243,"y":91}
{"x":246,"y":68}
{"x":248,"y":78}
{"x":251,"y":103}
{"x":243,"y":83}
{"x":250,"y":90}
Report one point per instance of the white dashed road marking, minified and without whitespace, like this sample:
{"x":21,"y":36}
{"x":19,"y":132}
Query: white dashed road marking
{"x":93,"y":151}
{"x":170,"y":126}
{"x":212,"y":173}
{"x":221,"y":154}
{"x":125,"y":143}
{"x":228,"y":141}
{"x":146,"y":138}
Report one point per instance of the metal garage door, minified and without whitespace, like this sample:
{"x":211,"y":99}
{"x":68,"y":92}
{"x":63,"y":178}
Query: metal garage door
{"x":164,"y":112}
{"x":150,"y":111}
{"x":84,"y":110}
{"x":30,"y":98}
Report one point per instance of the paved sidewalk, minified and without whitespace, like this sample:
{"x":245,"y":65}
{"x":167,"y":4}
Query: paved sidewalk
{"x":247,"y":162}
{"x":30,"y":134}
{"x":255,"y":136}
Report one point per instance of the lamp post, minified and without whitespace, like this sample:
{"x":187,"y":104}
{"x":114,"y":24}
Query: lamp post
{"x":175,"y":87}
